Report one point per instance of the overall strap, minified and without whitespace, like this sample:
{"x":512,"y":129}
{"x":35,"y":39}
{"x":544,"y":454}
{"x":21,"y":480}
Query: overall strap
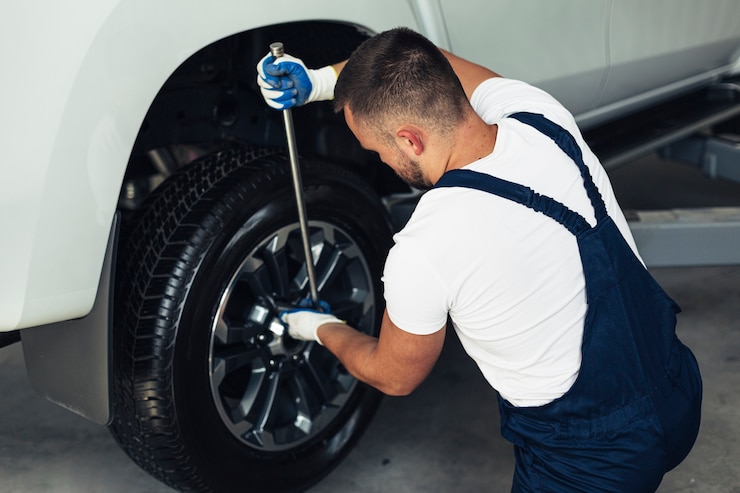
{"x":574,"y":222}
{"x":569,"y":146}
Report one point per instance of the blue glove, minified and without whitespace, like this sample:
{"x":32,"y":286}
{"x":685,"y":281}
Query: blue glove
{"x":285,"y":82}
{"x":303,"y":323}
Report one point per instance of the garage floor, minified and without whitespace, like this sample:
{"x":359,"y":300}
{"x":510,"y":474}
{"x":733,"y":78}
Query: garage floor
{"x":443,"y":438}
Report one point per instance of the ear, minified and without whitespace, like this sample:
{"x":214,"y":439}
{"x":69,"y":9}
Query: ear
{"x":410,"y":139}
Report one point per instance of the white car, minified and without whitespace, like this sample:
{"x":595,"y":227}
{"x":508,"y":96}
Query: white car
{"x":148,"y":227}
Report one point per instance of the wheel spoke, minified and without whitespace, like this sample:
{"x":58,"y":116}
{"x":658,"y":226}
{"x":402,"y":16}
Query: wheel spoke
{"x":275,"y":259}
{"x":313,"y":372}
{"x":360,"y":314}
{"x":262,"y":399}
{"x":331,"y":268}
{"x":303,"y":419}
{"x":343,"y":277}
{"x":318,"y":247}
{"x":329,"y":375}
{"x":229,"y":354}
{"x":257,"y":275}
{"x":234,"y":357}
{"x":227,"y":334}
{"x":258,"y":380}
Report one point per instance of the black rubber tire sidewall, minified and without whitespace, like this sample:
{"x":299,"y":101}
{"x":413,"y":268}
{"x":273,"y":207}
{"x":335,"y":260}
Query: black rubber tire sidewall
{"x":241,"y":209}
{"x":335,"y":201}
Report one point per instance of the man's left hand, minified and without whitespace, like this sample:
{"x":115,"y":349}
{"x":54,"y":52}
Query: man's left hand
{"x":286,"y":82}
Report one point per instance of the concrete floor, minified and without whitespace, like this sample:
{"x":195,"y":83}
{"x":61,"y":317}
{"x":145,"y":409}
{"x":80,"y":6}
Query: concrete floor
{"x":443,"y":438}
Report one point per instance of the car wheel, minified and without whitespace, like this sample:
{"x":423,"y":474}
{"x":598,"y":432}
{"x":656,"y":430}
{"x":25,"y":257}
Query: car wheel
{"x":210,"y":393}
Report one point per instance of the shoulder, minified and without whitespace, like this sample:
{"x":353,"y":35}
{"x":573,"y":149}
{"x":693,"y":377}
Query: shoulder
{"x":498,"y":97}
{"x":512,"y":88}
{"x":416,"y":297}
{"x":417,"y":286}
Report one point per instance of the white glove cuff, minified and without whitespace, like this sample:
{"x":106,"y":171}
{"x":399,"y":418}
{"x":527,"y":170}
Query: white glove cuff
{"x":323,"y":80}
{"x":325,"y":319}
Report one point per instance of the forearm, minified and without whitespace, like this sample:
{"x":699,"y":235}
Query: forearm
{"x":470,"y":74}
{"x":339,"y":66}
{"x":285,"y":82}
{"x":358,"y":353}
{"x":395,"y":363}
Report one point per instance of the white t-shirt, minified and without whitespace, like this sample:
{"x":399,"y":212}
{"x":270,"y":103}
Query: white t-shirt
{"x":510,"y":278}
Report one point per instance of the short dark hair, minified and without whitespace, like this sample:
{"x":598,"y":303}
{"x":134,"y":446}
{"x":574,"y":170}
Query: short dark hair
{"x":400,"y":75}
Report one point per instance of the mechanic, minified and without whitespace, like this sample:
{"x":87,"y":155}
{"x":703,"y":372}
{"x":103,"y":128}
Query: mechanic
{"x":521,"y":243}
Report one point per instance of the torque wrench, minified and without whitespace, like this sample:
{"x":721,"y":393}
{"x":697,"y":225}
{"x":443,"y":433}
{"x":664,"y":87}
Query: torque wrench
{"x":277,"y":50}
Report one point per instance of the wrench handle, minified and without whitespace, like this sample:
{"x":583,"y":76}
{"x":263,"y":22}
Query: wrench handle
{"x":277,"y":50}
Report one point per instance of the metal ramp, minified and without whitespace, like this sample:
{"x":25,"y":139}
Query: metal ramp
{"x":687,"y":237}
{"x":683,"y":130}
{"x":624,"y":140}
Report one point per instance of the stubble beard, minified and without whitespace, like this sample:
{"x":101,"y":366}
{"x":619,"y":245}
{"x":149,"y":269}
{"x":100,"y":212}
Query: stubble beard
{"x":410,"y":172}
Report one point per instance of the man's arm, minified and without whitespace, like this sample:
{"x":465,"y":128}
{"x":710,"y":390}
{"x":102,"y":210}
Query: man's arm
{"x":395,"y":363}
{"x":470,"y":74}
{"x":293,"y":84}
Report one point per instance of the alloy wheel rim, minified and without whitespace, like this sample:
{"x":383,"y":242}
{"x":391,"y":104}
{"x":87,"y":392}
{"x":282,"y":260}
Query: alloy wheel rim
{"x":271,"y":391}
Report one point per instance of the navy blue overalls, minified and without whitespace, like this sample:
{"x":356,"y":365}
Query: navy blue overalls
{"x":633,"y":412}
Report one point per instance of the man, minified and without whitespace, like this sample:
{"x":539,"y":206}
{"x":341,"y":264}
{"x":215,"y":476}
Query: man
{"x":521,"y":242}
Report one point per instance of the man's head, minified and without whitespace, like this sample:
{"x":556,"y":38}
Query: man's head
{"x":395,"y":79}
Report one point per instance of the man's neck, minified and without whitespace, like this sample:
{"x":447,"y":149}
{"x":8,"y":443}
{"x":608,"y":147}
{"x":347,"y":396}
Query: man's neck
{"x":472,"y":141}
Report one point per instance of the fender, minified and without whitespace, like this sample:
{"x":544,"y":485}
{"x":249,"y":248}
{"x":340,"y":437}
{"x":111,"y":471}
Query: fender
{"x":75,"y":128}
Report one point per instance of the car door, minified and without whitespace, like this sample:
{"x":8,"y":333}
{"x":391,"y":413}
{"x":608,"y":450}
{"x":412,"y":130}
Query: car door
{"x":559,"y":46}
{"x":661,"y":47}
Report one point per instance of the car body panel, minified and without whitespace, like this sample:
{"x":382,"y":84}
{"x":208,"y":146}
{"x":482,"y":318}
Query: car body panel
{"x":74,"y":112}
{"x":654,"y":44}
{"x":534,"y":48}
{"x":84,"y":74}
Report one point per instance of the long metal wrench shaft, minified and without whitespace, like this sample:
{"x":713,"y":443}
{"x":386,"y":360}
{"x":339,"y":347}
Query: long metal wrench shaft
{"x":277,"y":50}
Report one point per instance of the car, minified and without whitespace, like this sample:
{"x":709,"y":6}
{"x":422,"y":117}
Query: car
{"x":150,"y":235}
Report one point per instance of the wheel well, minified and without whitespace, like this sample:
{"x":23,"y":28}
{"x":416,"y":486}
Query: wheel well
{"x":213,"y":98}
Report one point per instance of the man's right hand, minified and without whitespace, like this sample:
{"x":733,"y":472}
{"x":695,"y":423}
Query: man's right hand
{"x":303,"y":323}
{"x":286,"y":82}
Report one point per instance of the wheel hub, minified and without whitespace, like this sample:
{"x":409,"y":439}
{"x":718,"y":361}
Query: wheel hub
{"x":275,"y":336}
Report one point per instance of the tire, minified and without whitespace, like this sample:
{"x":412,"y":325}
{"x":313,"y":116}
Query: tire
{"x":209,"y":394}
